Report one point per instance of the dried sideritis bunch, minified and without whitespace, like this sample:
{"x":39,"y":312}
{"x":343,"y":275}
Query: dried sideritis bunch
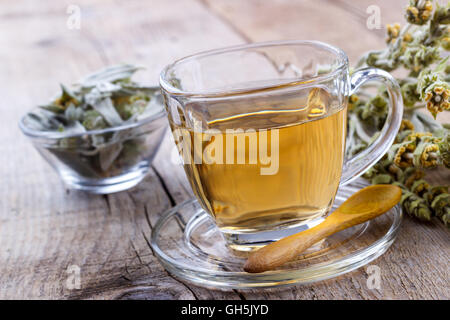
{"x":420,"y":49}
{"x":79,"y":118}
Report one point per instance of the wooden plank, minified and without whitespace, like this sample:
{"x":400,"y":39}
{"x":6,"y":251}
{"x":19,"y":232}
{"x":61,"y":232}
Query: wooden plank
{"x":299,"y":19}
{"x":46,"y":228}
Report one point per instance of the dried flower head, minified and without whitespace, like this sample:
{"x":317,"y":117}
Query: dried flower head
{"x":420,"y":187}
{"x":419,"y":12}
{"x":426,"y":149}
{"x":353,"y":102}
{"x":403,"y":157}
{"x":437,"y":97}
{"x":419,"y":150}
{"x":407,"y":37}
{"x":392,"y":32}
{"x":406,"y":125}
{"x":428,"y":157}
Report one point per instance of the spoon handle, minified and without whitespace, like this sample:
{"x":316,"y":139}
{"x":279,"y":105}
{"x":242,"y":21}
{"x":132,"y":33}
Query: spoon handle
{"x":286,"y":249}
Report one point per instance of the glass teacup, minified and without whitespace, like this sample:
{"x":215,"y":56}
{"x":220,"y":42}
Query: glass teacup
{"x":261,"y":130}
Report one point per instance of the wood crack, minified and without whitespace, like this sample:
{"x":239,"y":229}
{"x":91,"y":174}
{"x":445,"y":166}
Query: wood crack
{"x":108,"y":204}
{"x":168,"y":273}
{"x":98,"y":48}
{"x":164,"y":186}
{"x":225,"y":21}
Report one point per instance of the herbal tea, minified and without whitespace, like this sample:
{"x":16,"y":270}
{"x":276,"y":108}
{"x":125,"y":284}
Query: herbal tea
{"x":259,"y":170}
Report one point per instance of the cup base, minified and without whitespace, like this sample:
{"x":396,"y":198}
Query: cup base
{"x":252,"y":241}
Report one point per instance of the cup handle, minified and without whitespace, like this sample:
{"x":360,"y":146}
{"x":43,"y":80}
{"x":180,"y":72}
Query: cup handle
{"x":360,"y":162}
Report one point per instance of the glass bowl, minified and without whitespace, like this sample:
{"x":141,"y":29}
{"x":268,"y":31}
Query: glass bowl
{"x":102,"y":161}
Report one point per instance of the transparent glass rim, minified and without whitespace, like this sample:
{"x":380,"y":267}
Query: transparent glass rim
{"x":339,"y":53}
{"x":62,"y":135}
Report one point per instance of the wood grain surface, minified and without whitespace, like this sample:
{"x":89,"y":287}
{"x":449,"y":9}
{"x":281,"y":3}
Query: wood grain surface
{"x":45,"y":228}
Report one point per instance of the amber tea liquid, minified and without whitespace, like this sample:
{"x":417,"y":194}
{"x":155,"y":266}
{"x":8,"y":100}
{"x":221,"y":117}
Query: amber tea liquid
{"x":310,"y":150}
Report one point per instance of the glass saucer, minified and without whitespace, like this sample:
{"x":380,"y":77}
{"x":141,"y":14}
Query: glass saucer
{"x":191,"y":247}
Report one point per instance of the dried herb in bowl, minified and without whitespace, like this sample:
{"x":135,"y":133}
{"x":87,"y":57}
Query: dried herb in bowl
{"x":103,"y":131}
{"x":104,"y":99}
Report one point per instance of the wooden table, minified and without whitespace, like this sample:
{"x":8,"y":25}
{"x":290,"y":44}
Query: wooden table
{"x":45,"y":228}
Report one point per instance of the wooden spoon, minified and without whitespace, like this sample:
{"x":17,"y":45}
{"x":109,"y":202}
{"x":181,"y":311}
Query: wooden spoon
{"x":364,"y":205}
